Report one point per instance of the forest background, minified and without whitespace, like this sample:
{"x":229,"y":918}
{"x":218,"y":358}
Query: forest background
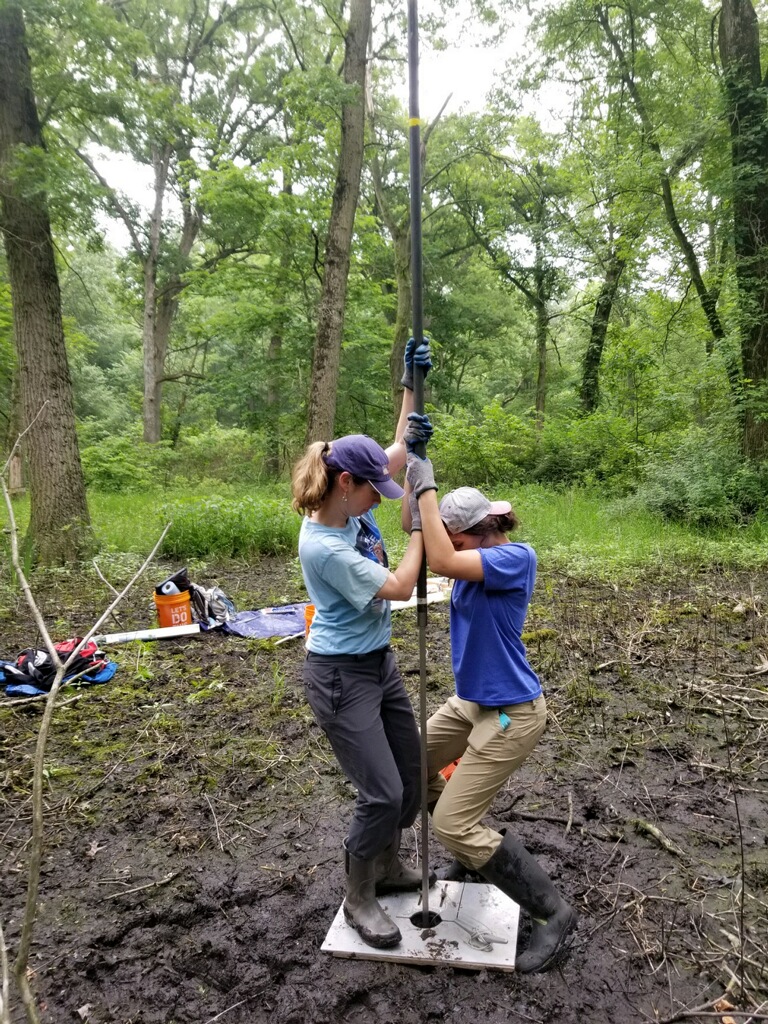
{"x":595,"y":253}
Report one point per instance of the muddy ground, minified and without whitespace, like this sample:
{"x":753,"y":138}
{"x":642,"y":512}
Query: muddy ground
{"x":194,"y":815}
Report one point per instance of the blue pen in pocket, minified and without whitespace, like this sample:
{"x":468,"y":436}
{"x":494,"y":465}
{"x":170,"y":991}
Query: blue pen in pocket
{"x":504,"y":720}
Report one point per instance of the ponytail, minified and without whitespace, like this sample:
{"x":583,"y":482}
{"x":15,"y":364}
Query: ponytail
{"x":312,"y":478}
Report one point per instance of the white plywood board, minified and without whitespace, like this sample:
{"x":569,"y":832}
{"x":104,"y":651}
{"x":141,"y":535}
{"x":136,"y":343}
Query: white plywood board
{"x":438,"y":589}
{"x":478,"y":928}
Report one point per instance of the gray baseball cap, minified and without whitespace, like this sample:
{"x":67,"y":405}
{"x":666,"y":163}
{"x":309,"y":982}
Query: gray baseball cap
{"x":466,"y":507}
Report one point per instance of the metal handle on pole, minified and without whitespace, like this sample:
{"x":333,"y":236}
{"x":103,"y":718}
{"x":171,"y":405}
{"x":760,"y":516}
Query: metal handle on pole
{"x":414,"y":138}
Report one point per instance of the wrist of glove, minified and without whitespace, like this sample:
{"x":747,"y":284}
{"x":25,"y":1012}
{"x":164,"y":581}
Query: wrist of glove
{"x":413,"y":505}
{"x":420,"y":475}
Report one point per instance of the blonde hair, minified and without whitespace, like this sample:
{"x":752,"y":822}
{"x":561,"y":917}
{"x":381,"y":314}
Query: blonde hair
{"x":312,"y":479}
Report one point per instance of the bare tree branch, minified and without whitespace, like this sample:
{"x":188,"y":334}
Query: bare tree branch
{"x":36,"y":844}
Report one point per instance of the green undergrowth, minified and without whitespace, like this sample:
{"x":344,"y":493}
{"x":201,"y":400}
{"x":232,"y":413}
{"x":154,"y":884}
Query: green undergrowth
{"x":579,"y":532}
{"x":573,"y":530}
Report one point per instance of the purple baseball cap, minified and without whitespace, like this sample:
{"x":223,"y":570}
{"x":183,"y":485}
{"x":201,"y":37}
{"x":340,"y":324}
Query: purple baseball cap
{"x":362,"y":456}
{"x":466,"y":507}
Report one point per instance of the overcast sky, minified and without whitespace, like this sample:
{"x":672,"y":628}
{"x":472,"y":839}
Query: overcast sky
{"x":466,"y":68}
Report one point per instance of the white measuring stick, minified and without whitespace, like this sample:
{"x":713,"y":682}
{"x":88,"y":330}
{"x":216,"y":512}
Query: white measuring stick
{"x":161,"y":633}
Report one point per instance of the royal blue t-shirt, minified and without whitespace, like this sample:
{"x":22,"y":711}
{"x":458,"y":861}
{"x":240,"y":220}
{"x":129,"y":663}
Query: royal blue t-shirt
{"x":344,"y":568}
{"x":489,"y":660}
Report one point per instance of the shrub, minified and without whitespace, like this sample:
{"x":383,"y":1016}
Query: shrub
{"x":231,"y":455}
{"x":218,"y":527}
{"x":704,"y":481}
{"x":505,"y":448}
{"x":594,"y":449}
{"x":126,"y":463}
{"x":499,"y":449}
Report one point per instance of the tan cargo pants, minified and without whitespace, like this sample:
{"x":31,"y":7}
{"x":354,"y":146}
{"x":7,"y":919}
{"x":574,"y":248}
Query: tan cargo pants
{"x":490,"y":750}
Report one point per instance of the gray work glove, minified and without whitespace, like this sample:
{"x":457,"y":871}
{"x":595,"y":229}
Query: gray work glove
{"x":413,"y":505}
{"x":415,"y":355}
{"x":420,"y":475}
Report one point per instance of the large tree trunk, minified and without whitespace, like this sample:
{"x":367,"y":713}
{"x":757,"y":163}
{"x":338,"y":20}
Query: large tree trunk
{"x":739,"y":42}
{"x":401,"y":240}
{"x":590,"y":378}
{"x":542,"y":294}
{"x":59,"y":528}
{"x":154,"y":342}
{"x":274,"y":399}
{"x":330,"y":326}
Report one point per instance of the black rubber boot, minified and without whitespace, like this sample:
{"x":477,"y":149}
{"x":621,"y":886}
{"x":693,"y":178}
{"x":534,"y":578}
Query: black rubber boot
{"x":394,"y":876}
{"x":518,"y":874}
{"x":457,"y":872}
{"x":362,"y":910}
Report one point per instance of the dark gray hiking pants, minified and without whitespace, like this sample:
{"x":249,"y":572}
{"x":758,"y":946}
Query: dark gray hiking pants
{"x":361,"y":704}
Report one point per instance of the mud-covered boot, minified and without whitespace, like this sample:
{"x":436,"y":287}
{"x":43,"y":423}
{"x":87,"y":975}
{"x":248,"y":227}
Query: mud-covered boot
{"x":519,"y":875}
{"x":361,"y":908}
{"x":394,"y":876}
{"x":457,"y":872}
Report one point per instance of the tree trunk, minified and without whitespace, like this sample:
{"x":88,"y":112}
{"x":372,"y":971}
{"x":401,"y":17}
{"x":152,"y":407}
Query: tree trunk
{"x":542,"y":294}
{"x":541,"y":364}
{"x":274,"y":398}
{"x":154,"y":356}
{"x":739,"y":43}
{"x":330,"y":326}
{"x":59,"y":527}
{"x":401,"y":240}
{"x":400,"y":233}
{"x":707,"y":299}
{"x":590,"y":378}
{"x":15,"y":429}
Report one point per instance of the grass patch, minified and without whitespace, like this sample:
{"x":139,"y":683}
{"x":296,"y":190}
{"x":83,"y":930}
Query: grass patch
{"x":578,"y":531}
{"x":230,"y":527}
{"x":573,"y":530}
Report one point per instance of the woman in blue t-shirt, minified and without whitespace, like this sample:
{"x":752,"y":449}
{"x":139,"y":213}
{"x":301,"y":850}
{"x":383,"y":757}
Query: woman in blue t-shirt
{"x":351,"y":677}
{"x":498,"y":713}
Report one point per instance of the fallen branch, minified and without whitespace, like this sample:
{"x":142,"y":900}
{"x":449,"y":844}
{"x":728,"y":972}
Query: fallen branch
{"x":104,"y":579}
{"x":142,"y":888}
{"x":36,"y":848}
{"x":570,"y":812}
{"x":5,"y":1010}
{"x":215,"y":822}
{"x":19,"y":703}
{"x":698,"y":1011}
{"x":645,"y":826}
{"x":232,"y":1007}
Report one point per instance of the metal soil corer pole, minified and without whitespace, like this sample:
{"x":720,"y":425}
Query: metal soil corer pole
{"x":414,"y":137}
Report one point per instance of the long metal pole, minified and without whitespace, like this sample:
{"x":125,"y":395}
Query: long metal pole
{"x":414,"y":138}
